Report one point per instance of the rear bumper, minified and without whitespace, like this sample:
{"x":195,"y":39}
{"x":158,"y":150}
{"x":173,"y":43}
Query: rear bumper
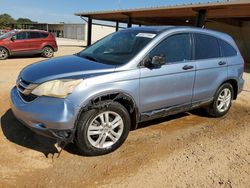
{"x":240,"y":85}
{"x":55,"y":48}
{"x":51,"y":117}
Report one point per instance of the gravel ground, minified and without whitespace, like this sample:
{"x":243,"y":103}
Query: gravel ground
{"x":184,"y":150}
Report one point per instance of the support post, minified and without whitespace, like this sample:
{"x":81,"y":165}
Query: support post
{"x":117,"y":26}
{"x":89,"y":31}
{"x":129,"y":22}
{"x":200,"y":18}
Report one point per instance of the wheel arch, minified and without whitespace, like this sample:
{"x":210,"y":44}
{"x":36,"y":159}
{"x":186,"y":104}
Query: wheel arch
{"x":9,"y":51}
{"x":123,"y":98}
{"x":48,"y":45}
{"x":234,"y":84}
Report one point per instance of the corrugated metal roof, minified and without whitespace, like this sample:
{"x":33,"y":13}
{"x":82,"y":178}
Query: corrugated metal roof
{"x":176,"y":6}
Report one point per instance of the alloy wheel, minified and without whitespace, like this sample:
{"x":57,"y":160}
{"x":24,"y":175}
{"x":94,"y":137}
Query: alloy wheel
{"x":224,"y":100}
{"x":3,"y":53}
{"x":105,"y":129}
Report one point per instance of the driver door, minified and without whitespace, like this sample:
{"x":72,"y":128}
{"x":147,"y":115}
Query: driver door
{"x":20,"y":42}
{"x":171,"y":84}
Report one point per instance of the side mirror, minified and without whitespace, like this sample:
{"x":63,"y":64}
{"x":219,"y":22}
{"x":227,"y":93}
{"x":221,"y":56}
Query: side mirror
{"x":155,"y":61}
{"x":13,"y":38}
{"x":158,"y":60}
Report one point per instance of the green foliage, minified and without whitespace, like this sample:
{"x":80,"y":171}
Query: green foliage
{"x":6,"y":21}
{"x":23,"y":20}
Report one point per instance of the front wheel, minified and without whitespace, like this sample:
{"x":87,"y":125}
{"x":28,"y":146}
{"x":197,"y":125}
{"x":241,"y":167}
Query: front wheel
{"x":4,"y":54}
{"x":222,"y":101}
{"x":102,"y":129}
{"x":48,"y":52}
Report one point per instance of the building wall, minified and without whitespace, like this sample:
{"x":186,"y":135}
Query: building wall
{"x":99,"y":32}
{"x":75,"y":31}
{"x":240,"y":35}
{"x":56,"y":29}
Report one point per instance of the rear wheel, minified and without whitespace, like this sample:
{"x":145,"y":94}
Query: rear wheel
{"x":4,"y":54}
{"x":102,"y":129}
{"x":222,"y":101}
{"x":48,"y":52}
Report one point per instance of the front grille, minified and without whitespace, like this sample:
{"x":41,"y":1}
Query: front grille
{"x":25,"y":88}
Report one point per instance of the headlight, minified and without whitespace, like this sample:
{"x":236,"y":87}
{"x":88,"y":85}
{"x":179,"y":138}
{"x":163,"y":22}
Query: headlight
{"x":56,"y":88}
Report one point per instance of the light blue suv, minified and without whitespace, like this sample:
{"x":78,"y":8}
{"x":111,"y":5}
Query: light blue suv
{"x":94,"y":98}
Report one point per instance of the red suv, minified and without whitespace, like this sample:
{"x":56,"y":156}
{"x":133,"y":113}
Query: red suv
{"x":27,"y":42}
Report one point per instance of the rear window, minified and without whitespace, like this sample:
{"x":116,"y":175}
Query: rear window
{"x":206,"y":46}
{"x":226,"y":49}
{"x":34,"y":35}
{"x":44,"y":35}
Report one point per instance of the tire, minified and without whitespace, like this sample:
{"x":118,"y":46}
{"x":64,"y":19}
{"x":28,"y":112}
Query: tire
{"x":222,"y":101}
{"x":95,"y":138}
{"x":48,"y":52}
{"x":4,"y":53}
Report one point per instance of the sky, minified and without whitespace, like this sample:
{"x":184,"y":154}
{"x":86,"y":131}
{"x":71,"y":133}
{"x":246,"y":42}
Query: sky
{"x":55,"y":11}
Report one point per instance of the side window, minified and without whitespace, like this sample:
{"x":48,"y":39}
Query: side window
{"x":44,"y":35}
{"x":206,"y":46}
{"x":176,"y":48}
{"x":226,"y":49}
{"x":34,"y":35}
{"x":21,"y":36}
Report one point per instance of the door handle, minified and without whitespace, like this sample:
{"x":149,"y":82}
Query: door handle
{"x":222,"y":63}
{"x":186,"y":67}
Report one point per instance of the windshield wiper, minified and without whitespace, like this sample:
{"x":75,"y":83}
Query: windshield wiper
{"x":89,"y":58}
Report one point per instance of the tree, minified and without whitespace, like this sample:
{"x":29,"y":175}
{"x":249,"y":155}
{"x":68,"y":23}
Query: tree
{"x":24,"y":20}
{"x":6,"y":20}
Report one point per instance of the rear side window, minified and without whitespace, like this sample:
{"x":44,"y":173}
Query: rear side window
{"x":34,"y":35}
{"x":206,"y":46}
{"x":176,"y":48}
{"x":44,"y":35}
{"x":226,"y":49}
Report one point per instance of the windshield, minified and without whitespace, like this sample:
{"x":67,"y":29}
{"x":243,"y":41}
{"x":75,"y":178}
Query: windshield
{"x":6,"y":35}
{"x":118,"y":48}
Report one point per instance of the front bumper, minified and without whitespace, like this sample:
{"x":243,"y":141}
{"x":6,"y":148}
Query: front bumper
{"x":52,"y":117}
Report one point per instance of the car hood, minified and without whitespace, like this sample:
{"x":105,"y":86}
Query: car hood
{"x":67,"y":67}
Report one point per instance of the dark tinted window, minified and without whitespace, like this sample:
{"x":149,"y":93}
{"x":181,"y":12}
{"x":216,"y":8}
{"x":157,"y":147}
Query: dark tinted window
{"x":206,"y":47}
{"x":226,"y":49}
{"x":176,"y":48}
{"x":34,"y":35}
{"x":44,"y":35}
{"x":21,"y":36}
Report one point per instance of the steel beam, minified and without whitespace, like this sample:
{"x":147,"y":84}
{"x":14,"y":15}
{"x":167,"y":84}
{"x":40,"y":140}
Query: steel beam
{"x":200,"y":18}
{"x":129,"y":22}
{"x":89,"y":31}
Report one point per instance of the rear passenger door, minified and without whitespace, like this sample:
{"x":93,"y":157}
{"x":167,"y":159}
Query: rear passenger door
{"x":171,"y":84}
{"x":211,"y":67}
{"x":34,"y":40}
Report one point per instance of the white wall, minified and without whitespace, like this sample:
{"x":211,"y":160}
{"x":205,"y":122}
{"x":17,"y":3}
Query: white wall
{"x":99,"y":32}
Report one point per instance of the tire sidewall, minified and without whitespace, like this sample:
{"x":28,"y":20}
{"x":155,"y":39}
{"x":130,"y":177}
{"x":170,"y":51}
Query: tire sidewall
{"x":44,"y":52}
{"x":86,"y":118}
{"x":224,"y":86}
{"x":7,"y":53}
